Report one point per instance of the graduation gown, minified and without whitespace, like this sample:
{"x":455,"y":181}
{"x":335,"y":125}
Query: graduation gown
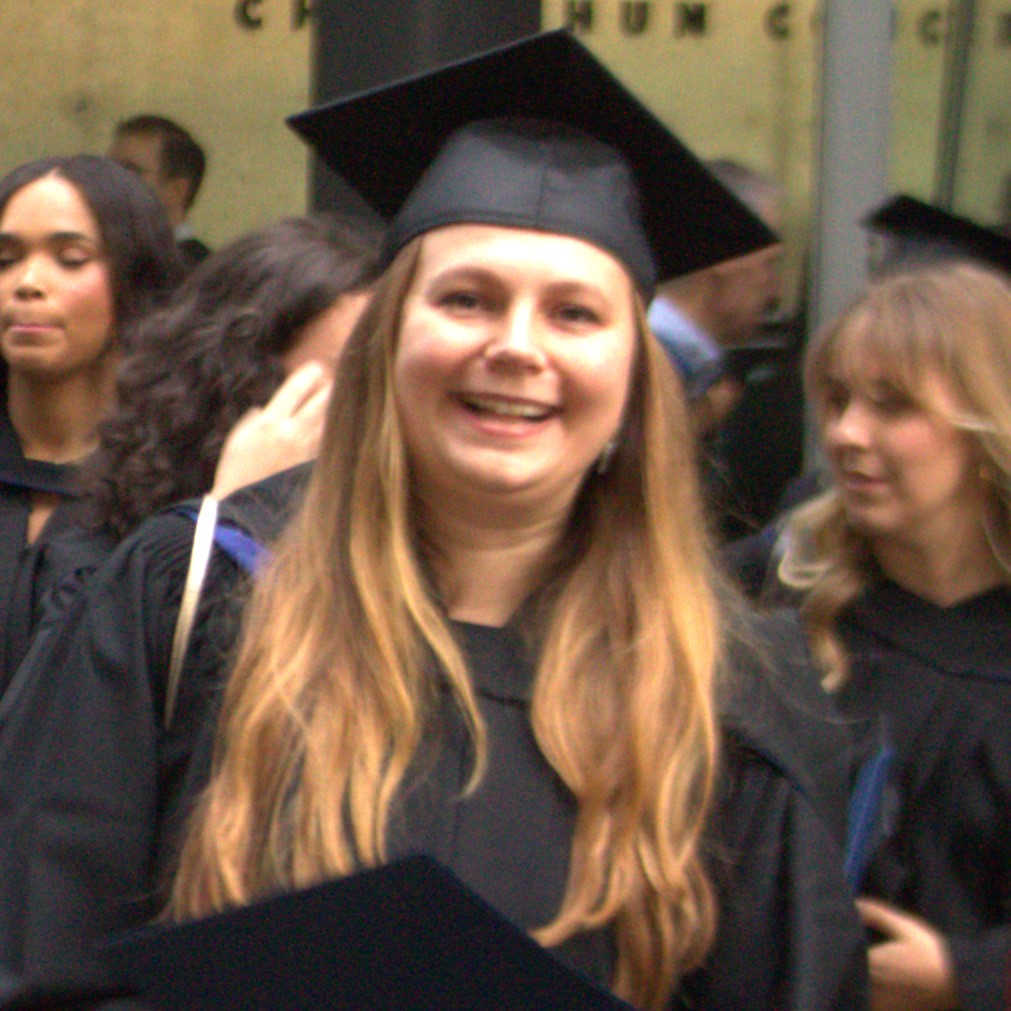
{"x":937,"y":682}
{"x":95,"y":815}
{"x":788,"y":935}
{"x":89,"y":778}
{"x":30,"y":574}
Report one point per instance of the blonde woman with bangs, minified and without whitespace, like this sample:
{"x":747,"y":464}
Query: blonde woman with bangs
{"x":493,"y":633}
{"x":904,"y":564}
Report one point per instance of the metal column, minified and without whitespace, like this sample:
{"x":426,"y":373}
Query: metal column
{"x":852,"y":169}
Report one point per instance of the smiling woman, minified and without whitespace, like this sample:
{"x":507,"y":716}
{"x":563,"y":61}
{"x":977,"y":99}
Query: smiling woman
{"x":513,"y":368}
{"x":85,"y":251}
{"x":493,"y":632}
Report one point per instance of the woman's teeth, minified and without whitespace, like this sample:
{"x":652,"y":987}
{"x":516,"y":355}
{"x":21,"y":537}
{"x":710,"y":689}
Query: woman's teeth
{"x":506,"y":408}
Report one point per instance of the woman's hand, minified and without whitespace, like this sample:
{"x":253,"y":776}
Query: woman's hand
{"x":267,"y":440}
{"x":911,"y":968}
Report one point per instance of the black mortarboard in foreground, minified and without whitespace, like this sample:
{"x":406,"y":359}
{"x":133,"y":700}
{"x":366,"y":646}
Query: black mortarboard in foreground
{"x":922,"y":233}
{"x":630,"y":187}
{"x":408,"y":935}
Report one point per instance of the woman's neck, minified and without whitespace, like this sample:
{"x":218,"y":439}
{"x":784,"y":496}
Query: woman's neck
{"x":486,"y":571}
{"x":943,"y":573}
{"x":58,"y":421}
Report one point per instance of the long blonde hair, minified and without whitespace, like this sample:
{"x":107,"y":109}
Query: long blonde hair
{"x":953,"y":321}
{"x":325,"y":708}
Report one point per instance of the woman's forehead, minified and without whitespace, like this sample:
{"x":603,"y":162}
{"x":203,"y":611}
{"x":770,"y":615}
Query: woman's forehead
{"x":54,"y":200}
{"x":469,"y":243}
{"x":866,"y":352}
{"x":868,"y":370}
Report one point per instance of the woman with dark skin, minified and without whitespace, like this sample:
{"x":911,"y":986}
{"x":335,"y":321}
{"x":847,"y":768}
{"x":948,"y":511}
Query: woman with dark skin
{"x":204,"y":399}
{"x":264,"y":316}
{"x":85,"y":253}
{"x":240,"y":325}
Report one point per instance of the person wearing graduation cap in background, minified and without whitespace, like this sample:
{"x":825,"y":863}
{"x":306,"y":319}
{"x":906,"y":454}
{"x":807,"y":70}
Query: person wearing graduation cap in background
{"x":905,"y":232}
{"x":744,"y":400}
{"x":701,"y":315}
{"x":85,"y":253}
{"x":493,"y":632}
{"x":903,"y":567}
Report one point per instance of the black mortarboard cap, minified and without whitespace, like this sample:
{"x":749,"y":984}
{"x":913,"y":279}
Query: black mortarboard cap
{"x":636,"y":191}
{"x":926,"y":233}
{"x":408,"y":935}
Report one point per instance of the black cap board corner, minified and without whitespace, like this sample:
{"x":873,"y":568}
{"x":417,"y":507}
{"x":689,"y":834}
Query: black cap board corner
{"x":406,"y":935}
{"x":943,"y":234}
{"x":382,"y":141}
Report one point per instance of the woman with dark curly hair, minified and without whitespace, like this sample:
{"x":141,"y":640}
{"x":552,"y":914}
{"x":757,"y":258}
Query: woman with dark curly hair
{"x":245,"y":319}
{"x":85,"y":253}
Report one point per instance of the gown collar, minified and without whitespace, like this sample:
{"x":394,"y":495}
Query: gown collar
{"x":499,"y":661}
{"x":32,"y":475}
{"x":979,"y":647}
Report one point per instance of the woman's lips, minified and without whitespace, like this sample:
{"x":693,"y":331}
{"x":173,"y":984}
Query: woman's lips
{"x":859,"y":482}
{"x":20,"y":325}
{"x":505,"y":407}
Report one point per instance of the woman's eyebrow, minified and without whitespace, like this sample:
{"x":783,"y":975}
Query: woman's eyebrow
{"x":69,"y":236}
{"x":60,"y":236}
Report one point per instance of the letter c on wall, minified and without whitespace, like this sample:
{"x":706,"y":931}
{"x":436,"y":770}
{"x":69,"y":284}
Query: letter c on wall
{"x":244,"y":14}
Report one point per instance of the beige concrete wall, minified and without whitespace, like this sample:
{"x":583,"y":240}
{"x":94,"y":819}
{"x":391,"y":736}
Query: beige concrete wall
{"x":917,"y":95}
{"x":734,"y":78}
{"x":69,"y":69}
{"x":983,"y":181}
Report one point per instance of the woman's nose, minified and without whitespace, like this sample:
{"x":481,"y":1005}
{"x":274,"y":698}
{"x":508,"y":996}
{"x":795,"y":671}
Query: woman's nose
{"x":517,"y":339}
{"x":29,"y":278}
{"x":848,"y":426}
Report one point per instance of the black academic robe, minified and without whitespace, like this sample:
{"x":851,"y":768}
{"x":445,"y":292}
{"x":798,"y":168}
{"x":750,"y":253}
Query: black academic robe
{"x":936,"y":682}
{"x":30,"y":574}
{"x":90,"y":781}
{"x":788,"y":933}
{"x":94,"y":815}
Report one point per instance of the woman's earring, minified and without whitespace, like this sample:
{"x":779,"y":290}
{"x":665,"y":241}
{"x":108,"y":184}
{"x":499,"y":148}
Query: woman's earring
{"x":606,"y":456}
